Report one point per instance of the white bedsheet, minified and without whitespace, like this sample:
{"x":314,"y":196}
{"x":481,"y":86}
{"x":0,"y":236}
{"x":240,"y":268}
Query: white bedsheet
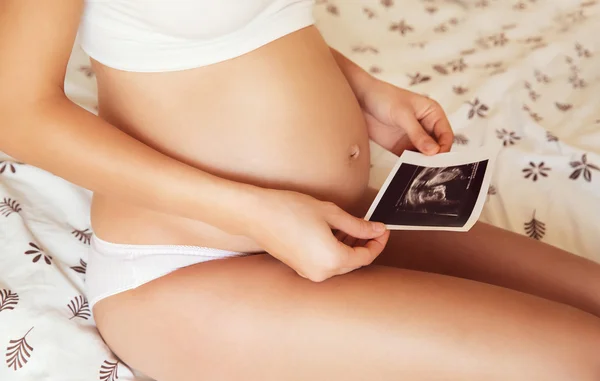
{"x":522,"y":74}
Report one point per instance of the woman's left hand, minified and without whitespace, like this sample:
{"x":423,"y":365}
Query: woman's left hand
{"x":398,"y":119}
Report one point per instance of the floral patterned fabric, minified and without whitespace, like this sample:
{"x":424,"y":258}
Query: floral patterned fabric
{"x":521,"y":75}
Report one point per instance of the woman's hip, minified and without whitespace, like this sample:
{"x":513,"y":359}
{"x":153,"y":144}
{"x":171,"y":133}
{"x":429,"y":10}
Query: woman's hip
{"x":116,"y":268}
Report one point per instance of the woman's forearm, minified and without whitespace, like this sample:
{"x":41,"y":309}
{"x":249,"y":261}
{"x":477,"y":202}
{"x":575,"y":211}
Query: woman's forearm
{"x":356,"y":76}
{"x":60,"y":137}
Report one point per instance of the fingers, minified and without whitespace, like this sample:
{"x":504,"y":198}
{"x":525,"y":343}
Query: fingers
{"x":443,"y":132}
{"x":445,"y":140}
{"x":416,"y":133}
{"x":346,"y":239}
{"x":435,"y":122}
{"x":350,"y":241}
{"x":338,"y":258}
{"x":340,"y":252}
{"x":340,"y":235}
{"x":359,"y":256}
{"x":355,"y":227}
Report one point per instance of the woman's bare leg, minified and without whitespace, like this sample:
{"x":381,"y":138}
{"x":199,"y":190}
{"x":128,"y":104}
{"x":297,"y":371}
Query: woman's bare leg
{"x":252,"y":318}
{"x":496,"y":256}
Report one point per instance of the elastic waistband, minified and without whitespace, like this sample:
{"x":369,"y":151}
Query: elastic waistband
{"x":132,"y":251}
{"x":114,"y":267}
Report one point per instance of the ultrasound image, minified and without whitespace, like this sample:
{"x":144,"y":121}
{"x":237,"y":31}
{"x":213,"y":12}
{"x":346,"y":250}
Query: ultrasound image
{"x":431,"y":196}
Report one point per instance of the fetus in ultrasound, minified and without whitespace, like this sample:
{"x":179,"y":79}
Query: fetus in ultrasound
{"x":434,"y":190}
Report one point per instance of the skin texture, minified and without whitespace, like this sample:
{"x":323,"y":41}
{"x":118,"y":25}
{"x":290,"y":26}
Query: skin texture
{"x":517,"y":262}
{"x":257,"y":317}
{"x":49,"y":131}
{"x":253,"y":318}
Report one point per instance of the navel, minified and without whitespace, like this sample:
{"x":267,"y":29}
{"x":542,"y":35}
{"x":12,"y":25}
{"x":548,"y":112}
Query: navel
{"x":354,"y":151}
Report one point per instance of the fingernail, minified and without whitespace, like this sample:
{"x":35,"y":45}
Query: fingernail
{"x":379,"y":227}
{"x":431,"y":147}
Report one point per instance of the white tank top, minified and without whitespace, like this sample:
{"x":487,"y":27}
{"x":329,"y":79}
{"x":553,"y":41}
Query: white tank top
{"x":166,"y":35}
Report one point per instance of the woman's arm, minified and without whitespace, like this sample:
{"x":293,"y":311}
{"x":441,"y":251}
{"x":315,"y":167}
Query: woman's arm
{"x":397,"y":119}
{"x":40,"y":126}
{"x":356,"y":76}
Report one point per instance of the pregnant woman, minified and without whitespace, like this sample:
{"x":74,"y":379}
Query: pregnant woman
{"x":231,"y":148}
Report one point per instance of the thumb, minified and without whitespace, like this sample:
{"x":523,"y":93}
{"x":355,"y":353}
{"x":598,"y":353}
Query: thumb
{"x":417,"y":134}
{"x":354,"y":226}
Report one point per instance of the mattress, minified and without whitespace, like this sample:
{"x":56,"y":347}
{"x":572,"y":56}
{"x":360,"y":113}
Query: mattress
{"x":519,"y":75}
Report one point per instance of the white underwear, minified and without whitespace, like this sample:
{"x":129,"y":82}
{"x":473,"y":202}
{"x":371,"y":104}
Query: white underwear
{"x":113,"y":268}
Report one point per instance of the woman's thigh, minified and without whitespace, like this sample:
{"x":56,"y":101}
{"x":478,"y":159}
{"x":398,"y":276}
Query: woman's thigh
{"x":496,"y":256}
{"x":252,"y":318}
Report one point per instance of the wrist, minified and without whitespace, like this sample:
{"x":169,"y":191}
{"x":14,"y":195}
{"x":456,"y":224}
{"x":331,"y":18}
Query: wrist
{"x":363,"y":86}
{"x":257,"y":211}
{"x":225,"y":204}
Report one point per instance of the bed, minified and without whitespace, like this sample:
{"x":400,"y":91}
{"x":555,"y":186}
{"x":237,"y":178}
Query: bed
{"x":520,"y":75}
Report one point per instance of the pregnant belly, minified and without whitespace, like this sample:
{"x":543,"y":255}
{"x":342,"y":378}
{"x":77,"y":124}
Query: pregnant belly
{"x":282,"y":116}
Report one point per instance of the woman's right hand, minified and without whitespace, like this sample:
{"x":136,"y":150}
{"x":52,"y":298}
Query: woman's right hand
{"x":297,"y":229}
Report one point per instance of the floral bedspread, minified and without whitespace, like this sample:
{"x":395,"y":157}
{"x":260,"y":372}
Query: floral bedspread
{"x":522,"y":75}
